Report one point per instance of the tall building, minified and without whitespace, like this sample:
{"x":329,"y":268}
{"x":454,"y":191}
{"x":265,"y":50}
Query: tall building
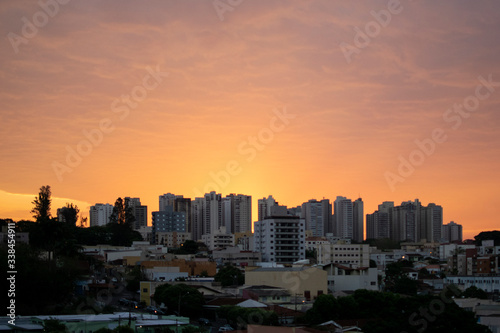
{"x":317,"y":216}
{"x":405,"y":221}
{"x":166,"y":200}
{"x":168,"y":221}
{"x":197,"y":226}
{"x":343,"y":218}
{"x":431,"y":222}
{"x":378,"y":224}
{"x":139,"y":211}
{"x":358,"y":220}
{"x":452,"y":232}
{"x":99,"y":214}
{"x":280,"y":239}
{"x":212,"y":212}
{"x":264,"y":206}
{"x":237,"y":213}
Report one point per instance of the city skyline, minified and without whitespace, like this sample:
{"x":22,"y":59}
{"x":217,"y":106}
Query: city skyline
{"x":379,"y":100}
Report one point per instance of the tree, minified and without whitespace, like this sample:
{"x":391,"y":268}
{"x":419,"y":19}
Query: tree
{"x":180,"y":298}
{"x":41,"y":211}
{"x":70,"y":214}
{"x":325,"y":308}
{"x":54,"y":326}
{"x":229,"y":275}
{"x":488,"y":235}
{"x":475,"y":292}
{"x":118,"y":214}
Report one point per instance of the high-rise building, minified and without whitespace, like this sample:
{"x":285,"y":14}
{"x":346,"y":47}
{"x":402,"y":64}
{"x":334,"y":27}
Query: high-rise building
{"x":197,"y":219}
{"x":431,"y":222}
{"x":343,"y":218}
{"x":99,"y":214}
{"x":237,"y":213}
{"x":317,"y":216}
{"x":168,"y":221}
{"x":378,"y":224}
{"x":139,"y":211}
{"x":264,"y":206}
{"x":166,"y":200}
{"x":452,"y":232}
{"x":358,"y":220}
{"x":405,"y":221}
{"x":280,"y":239}
{"x":212,"y":212}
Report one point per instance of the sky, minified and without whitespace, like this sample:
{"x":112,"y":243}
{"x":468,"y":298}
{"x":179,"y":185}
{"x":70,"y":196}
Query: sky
{"x":383,"y":100}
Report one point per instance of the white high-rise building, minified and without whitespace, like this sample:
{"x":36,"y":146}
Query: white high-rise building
{"x":378,"y":224}
{"x":99,"y":214}
{"x":431,"y":222}
{"x":280,"y":239}
{"x":166,"y":200}
{"x":405,"y":221}
{"x":212,"y":212}
{"x":452,"y":232}
{"x":343,"y":218}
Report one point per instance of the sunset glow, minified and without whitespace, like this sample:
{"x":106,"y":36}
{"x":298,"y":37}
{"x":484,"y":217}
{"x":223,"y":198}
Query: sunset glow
{"x":125,"y":98}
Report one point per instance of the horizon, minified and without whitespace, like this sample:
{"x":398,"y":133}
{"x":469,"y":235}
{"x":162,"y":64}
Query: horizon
{"x":383,"y":100}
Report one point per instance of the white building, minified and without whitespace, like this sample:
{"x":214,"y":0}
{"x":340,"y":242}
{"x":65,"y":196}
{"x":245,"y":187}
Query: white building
{"x":264,"y":206}
{"x":343,"y":217}
{"x":99,"y":214}
{"x":237,"y":213}
{"x":344,"y":278}
{"x":489,"y":284}
{"x":280,"y":239}
{"x":350,"y":255}
{"x":219,"y":239}
{"x":317,"y":215}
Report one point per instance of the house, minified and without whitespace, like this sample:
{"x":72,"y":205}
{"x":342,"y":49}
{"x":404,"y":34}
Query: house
{"x":345,"y":278}
{"x":266,"y":294}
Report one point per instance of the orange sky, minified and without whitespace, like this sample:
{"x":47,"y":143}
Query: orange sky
{"x":172,"y":91}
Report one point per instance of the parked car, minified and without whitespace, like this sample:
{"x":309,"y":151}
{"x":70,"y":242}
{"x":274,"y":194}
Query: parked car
{"x":225,"y":328}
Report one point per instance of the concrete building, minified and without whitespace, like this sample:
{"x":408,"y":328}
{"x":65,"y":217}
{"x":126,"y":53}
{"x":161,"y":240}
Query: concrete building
{"x":264,"y":207}
{"x":431,"y":223}
{"x":344,"y":225}
{"x":99,"y":214}
{"x":198,"y":227}
{"x":235,"y":256}
{"x":168,"y":221}
{"x":378,"y":224}
{"x":178,"y":204}
{"x":219,"y":239}
{"x":345,"y":278}
{"x":172,"y":239}
{"x":237,"y":213}
{"x":317,"y":216}
{"x":280,"y":239}
{"x":139,"y":211}
{"x":489,"y":284}
{"x":309,"y":282}
{"x":212,"y":212}
{"x":351,"y":255}
{"x":451,"y":232}
{"x":358,"y":220}
{"x":405,"y":221}
{"x":244,"y":240}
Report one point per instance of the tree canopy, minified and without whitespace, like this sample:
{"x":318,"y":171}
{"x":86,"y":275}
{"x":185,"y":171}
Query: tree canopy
{"x":41,"y":211}
{"x":229,"y":275}
{"x":180,"y":298}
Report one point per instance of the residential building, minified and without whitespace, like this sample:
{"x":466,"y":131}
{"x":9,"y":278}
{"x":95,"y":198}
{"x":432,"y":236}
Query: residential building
{"x":345,"y":278}
{"x":317,"y":216}
{"x":212,"y":212}
{"x":168,"y":221}
{"x":237,"y":213}
{"x":280,"y":239}
{"x":99,"y":214}
{"x":235,"y":256}
{"x":378,"y":224}
{"x":139,"y":211}
{"x":219,"y":239}
{"x":405,"y":221}
{"x":358,"y":220}
{"x":172,"y":239}
{"x":244,"y":240}
{"x":351,"y":255}
{"x":197,"y":218}
{"x":264,"y":207}
{"x":343,"y":217}
{"x":431,"y":223}
{"x":309,"y":282}
{"x":451,"y":232}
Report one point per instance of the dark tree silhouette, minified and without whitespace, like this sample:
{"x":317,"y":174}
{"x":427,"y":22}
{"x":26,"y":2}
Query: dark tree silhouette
{"x":41,"y":211}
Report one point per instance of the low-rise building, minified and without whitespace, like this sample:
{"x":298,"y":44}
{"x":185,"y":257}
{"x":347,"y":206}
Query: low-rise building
{"x":306,"y":281}
{"x":235,"y":256}
{"x":345,"y":278}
